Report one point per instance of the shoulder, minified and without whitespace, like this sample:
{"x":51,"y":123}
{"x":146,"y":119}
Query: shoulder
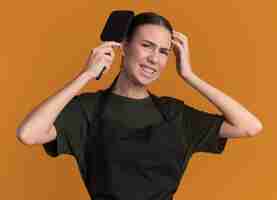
{"x":87,"y":102}
{"x":170,"y":104}
{"x":170,"y":101}
{"x":88,"y":97}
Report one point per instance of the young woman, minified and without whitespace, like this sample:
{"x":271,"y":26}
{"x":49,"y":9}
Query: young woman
{"x":128,"y":142}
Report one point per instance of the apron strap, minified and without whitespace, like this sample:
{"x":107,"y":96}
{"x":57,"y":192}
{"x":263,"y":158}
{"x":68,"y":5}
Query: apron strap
{"x":104,"y":96}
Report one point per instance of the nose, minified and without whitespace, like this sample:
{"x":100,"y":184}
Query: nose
{"x":153,"y":57}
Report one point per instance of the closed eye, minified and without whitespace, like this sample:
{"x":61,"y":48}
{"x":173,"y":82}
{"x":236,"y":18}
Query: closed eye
{"x":145,"y":45}
{"x":164,"y":52}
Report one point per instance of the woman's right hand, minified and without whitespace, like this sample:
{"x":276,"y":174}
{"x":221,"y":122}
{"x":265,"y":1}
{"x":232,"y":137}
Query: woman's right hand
{"x":100,"y":57}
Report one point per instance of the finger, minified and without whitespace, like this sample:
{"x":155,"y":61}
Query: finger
{"x":181,"y":47}
{"x":180,"y":34}
{"x":104,"y":50}
{"x":110,"y":53}
{"x":180,"y":37}
{"x":176,"y":43}
{"x":111,"y":44}
{"x":107,"y":61}
{"x":176,"y":39}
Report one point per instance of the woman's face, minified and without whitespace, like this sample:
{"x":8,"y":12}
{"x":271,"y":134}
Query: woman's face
{"x":146,"y":55}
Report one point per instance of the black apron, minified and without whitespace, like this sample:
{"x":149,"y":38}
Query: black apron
{"x":121,"y":163}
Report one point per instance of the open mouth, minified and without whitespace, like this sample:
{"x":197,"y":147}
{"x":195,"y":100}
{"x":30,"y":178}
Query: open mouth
{"x":148,"y":71}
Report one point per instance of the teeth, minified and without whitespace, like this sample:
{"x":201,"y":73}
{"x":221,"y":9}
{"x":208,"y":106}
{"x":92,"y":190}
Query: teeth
{"x":147,"y":69}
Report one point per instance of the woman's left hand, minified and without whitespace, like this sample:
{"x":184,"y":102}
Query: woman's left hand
{"x":181,"y":51}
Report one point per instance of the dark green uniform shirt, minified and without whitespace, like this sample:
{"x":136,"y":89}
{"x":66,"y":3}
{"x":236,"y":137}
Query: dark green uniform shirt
{"x":201,"y":129}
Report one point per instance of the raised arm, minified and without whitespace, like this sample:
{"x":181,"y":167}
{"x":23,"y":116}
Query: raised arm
{"x":37,"y":127}
{"x":240,"y":122}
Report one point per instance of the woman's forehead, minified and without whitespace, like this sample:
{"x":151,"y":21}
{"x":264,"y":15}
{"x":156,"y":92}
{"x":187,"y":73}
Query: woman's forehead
{"x":155,"y":33}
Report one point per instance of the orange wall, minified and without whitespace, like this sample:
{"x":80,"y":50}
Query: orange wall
{"x":44,"y":44}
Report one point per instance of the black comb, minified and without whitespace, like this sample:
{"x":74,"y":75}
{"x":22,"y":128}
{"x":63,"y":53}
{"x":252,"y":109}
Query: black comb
{"x":116,"y":28}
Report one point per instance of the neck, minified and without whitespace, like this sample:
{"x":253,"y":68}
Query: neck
{"x":124,"y":86}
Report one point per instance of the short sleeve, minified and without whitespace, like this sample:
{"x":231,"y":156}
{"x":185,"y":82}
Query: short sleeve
{"x":71,"y":125}
{"x":203,"y":130}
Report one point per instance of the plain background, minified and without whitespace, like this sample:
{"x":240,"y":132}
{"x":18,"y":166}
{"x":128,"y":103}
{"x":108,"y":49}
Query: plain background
{"x":44,"y":44}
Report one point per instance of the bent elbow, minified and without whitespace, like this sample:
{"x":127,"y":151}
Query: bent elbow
{"x":24,"y":138}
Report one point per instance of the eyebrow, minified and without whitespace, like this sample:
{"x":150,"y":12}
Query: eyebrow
{"x":152,"y":43}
